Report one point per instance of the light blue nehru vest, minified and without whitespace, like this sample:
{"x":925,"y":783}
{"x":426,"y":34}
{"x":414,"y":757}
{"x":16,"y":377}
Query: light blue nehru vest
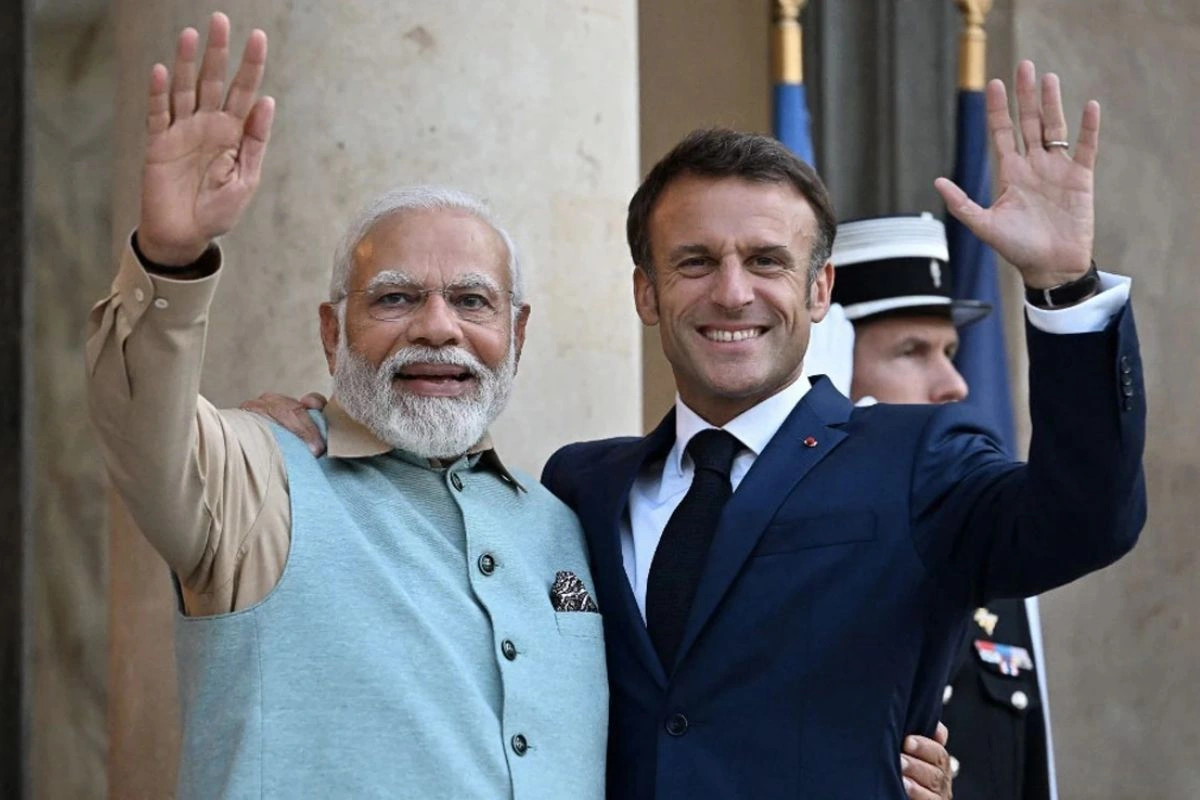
{"x":410,"y":649}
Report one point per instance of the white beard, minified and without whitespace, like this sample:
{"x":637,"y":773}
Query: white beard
{"x":429,"y":427}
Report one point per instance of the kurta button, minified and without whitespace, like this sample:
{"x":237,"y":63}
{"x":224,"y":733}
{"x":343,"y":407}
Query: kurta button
{"x":487,"y":564}
{"x":947,"y":693}
{"x":161,"y":303}
{"x":456,"y":482}
{"x":677,"y":725}
{"x":139,"y":295}
{"x":509,"y":649}
{"x":954,"y":767}
{"x":1020,"y":700}
{"x":519,"y":745}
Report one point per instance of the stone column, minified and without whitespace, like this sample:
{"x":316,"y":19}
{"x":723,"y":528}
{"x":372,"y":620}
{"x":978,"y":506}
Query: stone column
{"x":531,"y":104}
{"x":1121,"y":645}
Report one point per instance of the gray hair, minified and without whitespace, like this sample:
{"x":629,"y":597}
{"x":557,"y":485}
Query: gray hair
{"x":417,"y":198}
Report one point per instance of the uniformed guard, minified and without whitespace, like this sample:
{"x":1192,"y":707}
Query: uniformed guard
{"x":893,"y":286}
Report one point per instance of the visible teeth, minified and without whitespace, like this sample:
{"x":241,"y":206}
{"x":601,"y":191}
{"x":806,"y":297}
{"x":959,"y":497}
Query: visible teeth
{"x":733,"y":336}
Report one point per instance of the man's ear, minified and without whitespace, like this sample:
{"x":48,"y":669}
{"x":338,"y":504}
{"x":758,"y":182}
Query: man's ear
{"x":330,"y":331}
{"x":519,"y":330}
{"x":819,"y":293}
{"x":645,"y":297}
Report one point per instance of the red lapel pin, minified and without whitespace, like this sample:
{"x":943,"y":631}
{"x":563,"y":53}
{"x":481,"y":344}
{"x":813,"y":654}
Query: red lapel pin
{"x":810,"y":441}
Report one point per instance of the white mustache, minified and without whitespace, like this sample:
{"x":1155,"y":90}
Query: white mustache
{"x":443,"y":356}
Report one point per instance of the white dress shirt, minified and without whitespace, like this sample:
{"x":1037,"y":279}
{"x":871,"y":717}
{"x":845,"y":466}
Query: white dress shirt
{"x":660,"y":486}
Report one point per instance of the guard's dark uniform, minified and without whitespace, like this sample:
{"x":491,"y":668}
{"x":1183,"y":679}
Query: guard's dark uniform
{"x":997,"y":734}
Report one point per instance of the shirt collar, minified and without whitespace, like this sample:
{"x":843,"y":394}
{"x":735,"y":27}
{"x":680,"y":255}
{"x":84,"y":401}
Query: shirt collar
{"x":349,"y":438}
{"x":754,"y":427}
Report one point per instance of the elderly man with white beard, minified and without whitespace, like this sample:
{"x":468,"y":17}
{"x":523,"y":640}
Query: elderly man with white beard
{"x":388,"y":620}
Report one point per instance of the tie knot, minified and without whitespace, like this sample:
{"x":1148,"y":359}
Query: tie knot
{"x":714,"y":449}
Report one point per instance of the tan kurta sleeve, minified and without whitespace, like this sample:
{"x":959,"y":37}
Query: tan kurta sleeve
{"x":206,"y":487}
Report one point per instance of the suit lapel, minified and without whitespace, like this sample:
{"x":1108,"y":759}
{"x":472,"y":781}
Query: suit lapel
{"x":783,"y":464}
{"x":609,"y":482}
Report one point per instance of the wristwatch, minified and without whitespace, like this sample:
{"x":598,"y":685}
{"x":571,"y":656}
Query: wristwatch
{"x":1066,"y":294}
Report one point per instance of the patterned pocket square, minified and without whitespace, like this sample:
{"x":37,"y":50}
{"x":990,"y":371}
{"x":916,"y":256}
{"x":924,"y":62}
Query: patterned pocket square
{"x":569,"y":594}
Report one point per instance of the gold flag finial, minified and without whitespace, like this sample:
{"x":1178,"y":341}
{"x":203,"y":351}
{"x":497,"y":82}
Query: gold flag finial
{"x":787,"y":53}
{"x":972,"y":44}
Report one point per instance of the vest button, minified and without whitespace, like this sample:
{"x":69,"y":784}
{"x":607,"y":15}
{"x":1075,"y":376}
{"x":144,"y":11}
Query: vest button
{"x":519,"y":745}
{"x":1020,"y":700}
{"x":487,"y":564}
{"x":677,"y":725}
{"x":509,"y":650}
{"x":947,"y":693}
{"x":456,"y":482}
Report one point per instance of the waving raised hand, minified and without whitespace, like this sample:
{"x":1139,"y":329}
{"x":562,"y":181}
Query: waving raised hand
{"x":1043,"y":219}
{"x":205,"y":146}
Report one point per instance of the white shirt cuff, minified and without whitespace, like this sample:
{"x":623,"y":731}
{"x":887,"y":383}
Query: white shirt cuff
{"x":1090,"y":316}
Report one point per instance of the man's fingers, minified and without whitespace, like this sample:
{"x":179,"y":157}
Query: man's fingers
{"x":212,"y":69}
{"x":926,"y":751}
{"x":291,"y":414}
{"x":926,"y":763}
{"x":249,"y":76}
{"x":158,"y":103}
{"x":1029,"y":110}
{"x":1089,"y":136}
{"x":999,"y":121}
{"x":183,"y":76}
{"x":964,"y":209}
{"x":1054,"y":123}
{"x":303,"y":426}
{"x":942,"y":736}
{"x":915,"y":791}
{"x":314,"y":400}
{"x":255,"y":135}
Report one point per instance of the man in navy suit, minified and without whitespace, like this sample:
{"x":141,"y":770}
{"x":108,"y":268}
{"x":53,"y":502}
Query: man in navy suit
{"x":786,"y":578}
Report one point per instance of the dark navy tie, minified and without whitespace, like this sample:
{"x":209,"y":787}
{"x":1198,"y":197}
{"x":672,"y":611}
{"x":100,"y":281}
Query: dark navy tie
{"x":683,"y":549}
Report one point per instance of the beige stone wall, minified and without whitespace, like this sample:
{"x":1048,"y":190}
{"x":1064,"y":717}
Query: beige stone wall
{"x":1122,"y":644}
{"x":73,"y":84}
{"x":703,"y":63}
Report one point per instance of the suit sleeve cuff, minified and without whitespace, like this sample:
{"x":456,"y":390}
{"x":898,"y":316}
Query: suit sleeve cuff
{"x":1090,"y":316}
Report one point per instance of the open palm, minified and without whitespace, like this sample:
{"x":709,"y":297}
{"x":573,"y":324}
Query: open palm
{"x":1043,"y":220}
{"x":203,"y":156}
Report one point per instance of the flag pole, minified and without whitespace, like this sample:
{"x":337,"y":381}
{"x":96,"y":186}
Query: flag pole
{"x":787,"y":42}
{"x":972,"y":45}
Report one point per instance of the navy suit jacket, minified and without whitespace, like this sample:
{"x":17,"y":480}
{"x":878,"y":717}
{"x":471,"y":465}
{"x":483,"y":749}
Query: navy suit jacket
{"x":840,"y":578}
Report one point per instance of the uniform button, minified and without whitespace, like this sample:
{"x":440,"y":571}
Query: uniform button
{"x":161,"y":303}
{"x":677,"y":725}
{"x":456,"y":482}
{"x":1125,"y":365}
{"x":947,"y":693}
{"x":509,"y":649}
{"x":487,"y":564}
{"x":1127,"y":391}
{"x":1020,"y":700}
{"x":1127,"y":380}
{"x":1128,"y":404}
{"x":519,"y":745}
{"x":954,"y":765}
{"x":139,"y":295}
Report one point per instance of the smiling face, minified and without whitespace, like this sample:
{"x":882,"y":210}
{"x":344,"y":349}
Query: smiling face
{"x":905,"y":359}
{"x":730,"y":291}
{"x":425,"y":344}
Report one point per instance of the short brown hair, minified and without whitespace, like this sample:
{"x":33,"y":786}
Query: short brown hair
{"x":724,"y":153}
